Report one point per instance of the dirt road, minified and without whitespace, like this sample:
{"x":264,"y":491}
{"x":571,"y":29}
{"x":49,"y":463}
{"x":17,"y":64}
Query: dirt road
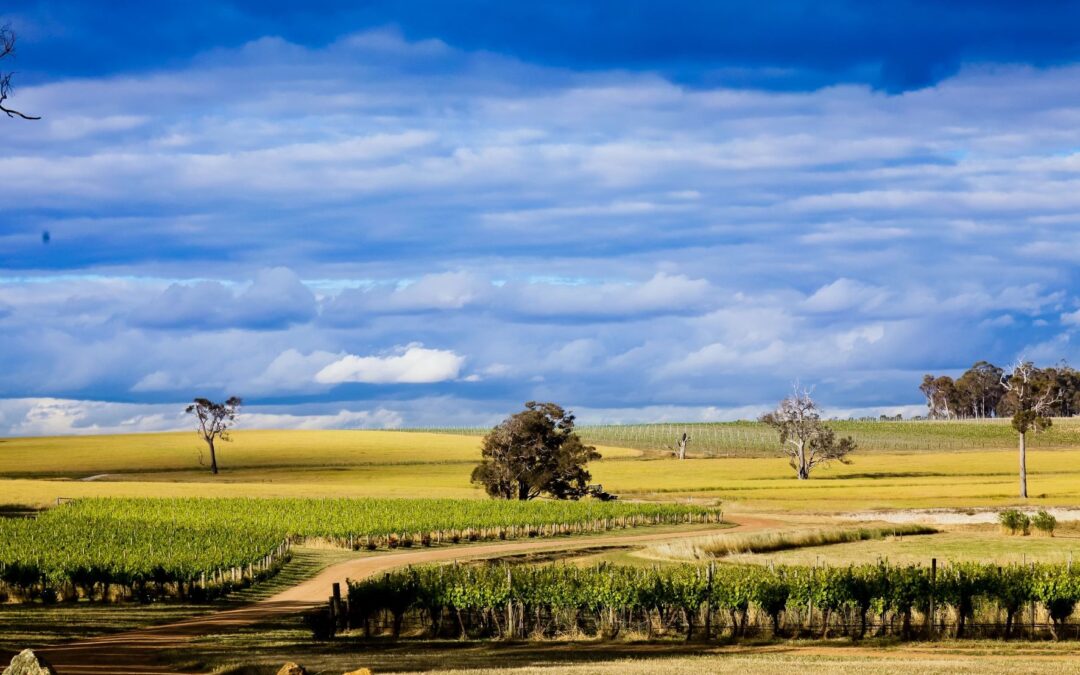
{"x":129,"y":653}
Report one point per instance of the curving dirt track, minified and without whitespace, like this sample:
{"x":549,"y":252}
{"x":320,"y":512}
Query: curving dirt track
{"x":130,"y":653}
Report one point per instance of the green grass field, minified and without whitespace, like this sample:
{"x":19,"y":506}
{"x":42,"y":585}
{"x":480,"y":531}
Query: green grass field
{"x":970,"y":543}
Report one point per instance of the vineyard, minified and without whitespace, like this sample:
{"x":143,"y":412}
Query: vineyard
{"x":123,"y":549}
{"x":696,"y":601}
{"x":753,"y":439}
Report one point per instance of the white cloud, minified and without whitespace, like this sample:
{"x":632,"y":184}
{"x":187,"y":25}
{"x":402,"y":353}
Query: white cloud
{"x":293,"y":371}
{"x":412,"y":364}
{"x":275,"y":298}
{"x":844,"y":294}
{"x":54,"y":417}
{"x":1071,"y":318}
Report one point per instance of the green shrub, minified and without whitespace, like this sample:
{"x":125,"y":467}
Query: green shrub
{"x":1015,"y":521}
{"x":1044,"y":522}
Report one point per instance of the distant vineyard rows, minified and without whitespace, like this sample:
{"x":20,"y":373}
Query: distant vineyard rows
{"x":753,"y":439}
{"x":119,"y":549}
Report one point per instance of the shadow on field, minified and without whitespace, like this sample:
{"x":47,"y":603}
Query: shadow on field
{"x":389,"y":657}
{"x":893,"y":474}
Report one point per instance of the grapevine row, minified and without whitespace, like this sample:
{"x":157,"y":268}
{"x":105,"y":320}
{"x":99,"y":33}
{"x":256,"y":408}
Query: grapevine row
{"x":123,"y":549}
{"x":709,"y":601}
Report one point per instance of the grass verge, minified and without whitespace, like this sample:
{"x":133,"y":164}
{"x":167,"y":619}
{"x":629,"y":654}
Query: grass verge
{"x":767,"y":542}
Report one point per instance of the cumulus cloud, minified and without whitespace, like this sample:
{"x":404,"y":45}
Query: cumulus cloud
{"x":293,"y":371}
{"x":431,"y":292}
{"x":662,"y":294}
{"x":51,"y":417}
{"x":605,"y":239}
{"x":412,"y":364}
{"x":844,"y":294}
{"x":531,"y":299}
{"x":275,"y":299}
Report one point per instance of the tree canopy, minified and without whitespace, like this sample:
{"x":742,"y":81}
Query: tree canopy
{"x":983,"y":391}
{"x":804,"y":437}
{"x":535,"y":452}
{"x":214,"y":422}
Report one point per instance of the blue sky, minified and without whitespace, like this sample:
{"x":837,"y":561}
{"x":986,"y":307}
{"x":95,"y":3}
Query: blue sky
{"x":423,"y":213}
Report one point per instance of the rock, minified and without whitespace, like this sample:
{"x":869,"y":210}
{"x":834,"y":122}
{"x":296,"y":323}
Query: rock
{"x":291,"y":668}
{"x":359,"y":671}
{"x":27,"y":662}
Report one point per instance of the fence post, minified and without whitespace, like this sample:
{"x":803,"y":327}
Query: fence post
{"x":708,"y":603}
{"x":933,"y":594}
{"x":509,"y":605}
{"x":1033,"y":605}
{"x":335,"y":606}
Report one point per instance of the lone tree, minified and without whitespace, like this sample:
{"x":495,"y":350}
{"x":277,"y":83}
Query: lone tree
{"x":214,"y":422}
{"x":804,"y":437}
{"x":679,"y":449}
{"x":1031,"y":396}
{"x":533,"y":452}
{"x":7,"y":48}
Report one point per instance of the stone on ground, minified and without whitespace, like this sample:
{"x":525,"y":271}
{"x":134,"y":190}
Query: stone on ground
{"x":27,"y":662}
{"x":359,"y":671}
{"x":291,"y":668}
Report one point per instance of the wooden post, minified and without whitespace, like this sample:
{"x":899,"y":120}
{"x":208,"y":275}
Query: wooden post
{"x":708,"y":603}
{"x":1033,"y":604}
{"x":335,"y":605}
{"x":333,"y":615}
{"x":509,"y":605}
{"x":933,"y":592}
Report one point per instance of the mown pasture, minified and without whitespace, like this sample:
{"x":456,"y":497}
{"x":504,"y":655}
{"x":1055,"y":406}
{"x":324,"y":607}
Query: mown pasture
{"x":299,"y":464}
{"x":754,"y":439}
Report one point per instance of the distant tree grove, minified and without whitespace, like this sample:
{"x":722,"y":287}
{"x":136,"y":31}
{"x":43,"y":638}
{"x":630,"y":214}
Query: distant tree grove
{"x":983,"y":392}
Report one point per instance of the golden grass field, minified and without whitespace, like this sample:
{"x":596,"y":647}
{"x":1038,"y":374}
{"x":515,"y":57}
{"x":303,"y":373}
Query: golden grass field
{"x":35,"y":471}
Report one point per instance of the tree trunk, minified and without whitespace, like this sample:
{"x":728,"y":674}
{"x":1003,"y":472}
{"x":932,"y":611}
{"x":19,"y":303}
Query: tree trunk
{"x":801,"y":460}
{"x":213,"y":457}
{"x":1023,"y":466}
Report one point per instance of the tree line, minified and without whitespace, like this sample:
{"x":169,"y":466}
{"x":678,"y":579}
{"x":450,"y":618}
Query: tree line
{"x":983,"y":391}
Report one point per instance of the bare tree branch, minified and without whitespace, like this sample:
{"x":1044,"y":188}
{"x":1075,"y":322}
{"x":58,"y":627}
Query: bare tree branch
{"x":7,"y":48}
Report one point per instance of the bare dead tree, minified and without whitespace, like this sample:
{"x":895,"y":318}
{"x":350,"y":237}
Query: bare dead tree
{"x":1033,"y":398}
{"x":803,"y":436}
{"x":214,"y":422}
{"x":679,"y":448}
{"x":7,"y":48}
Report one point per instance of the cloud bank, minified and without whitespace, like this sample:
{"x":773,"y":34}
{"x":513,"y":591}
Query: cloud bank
{"x":441,"y":232}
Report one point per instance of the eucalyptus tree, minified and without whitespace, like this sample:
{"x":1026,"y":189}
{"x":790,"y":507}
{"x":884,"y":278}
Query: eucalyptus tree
{"x":804,"y":437}
{"x":1031,"y":396}
{"x":214,"y":422}
{"x":533,"y":452}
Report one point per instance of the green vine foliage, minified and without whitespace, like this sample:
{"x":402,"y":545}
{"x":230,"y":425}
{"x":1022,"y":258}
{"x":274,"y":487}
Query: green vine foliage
{"x":150,"y":549}
{"x":499,"y":600}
